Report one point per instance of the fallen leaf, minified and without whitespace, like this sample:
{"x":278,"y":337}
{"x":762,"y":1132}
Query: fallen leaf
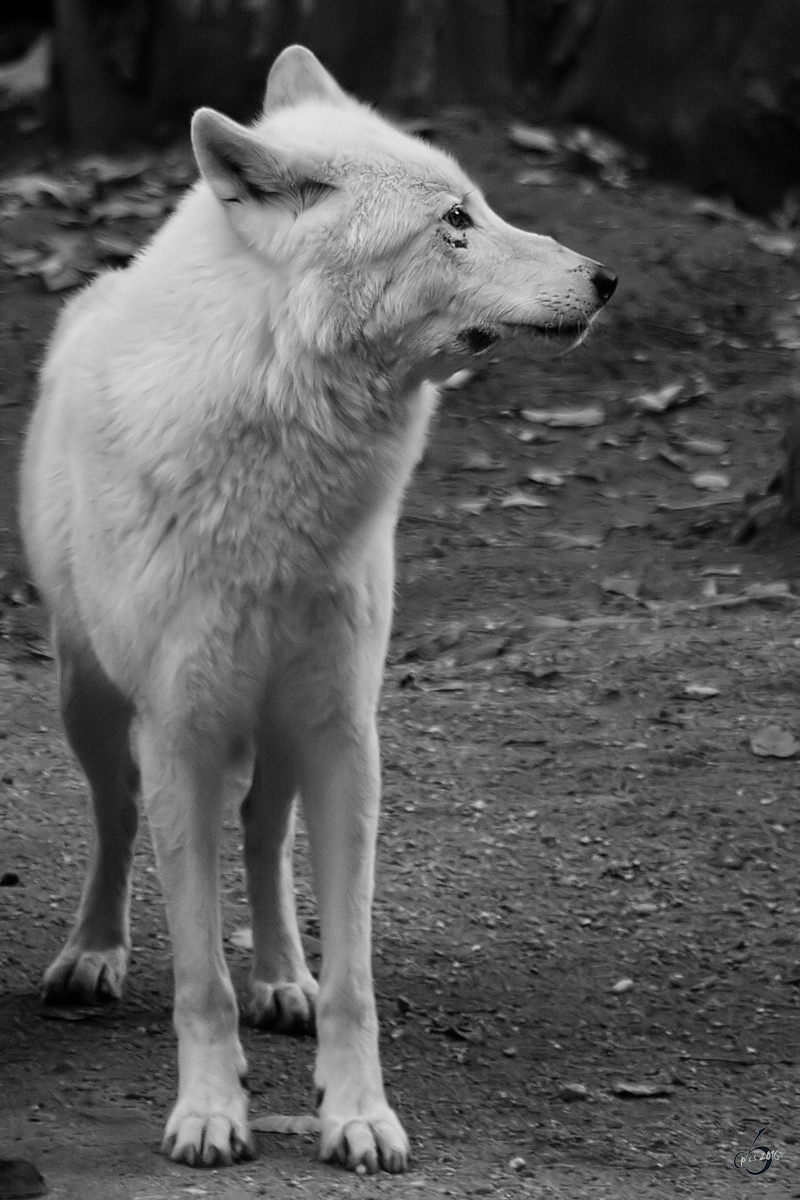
{"x":674,"y":459}
{"x":548,"y":478}
{"x":116,"y":208}
{"x":537,"y":177}
{"x":716,"y":210}
{"x":710,"y":446}
{"x":768,"y":591}
{"x":32,"y":187}
{"x":22,"y":261}
{"x":57,"y":274}
{"x":528,"y":436}
{"x":641,"y":1090}
{"x":774,"y":742}
{"x":776,"y":243}
{"x":532,"y":137}
{"x":474,"y":506}
{"x":711,"y":481}
{"x":481,"y":460}
{"x":561,"y":540}
{"x":458,"y":1033}
{"x":622,"y":585}
{"x":700,"y":691}
{"x":656,"y":402}
{"x":786,"y":327}
{"x":702,"y":985}
{"x":756,"y":593}
{"x":104,"y":168}
{"x":672,"y":395}
{"x":565,"y":418}
{"x":520,"y":499}
{"x":706,"y":502}
{"x":606,"y":154}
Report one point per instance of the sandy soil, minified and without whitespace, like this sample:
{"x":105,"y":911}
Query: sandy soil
{"x":589,"y":636}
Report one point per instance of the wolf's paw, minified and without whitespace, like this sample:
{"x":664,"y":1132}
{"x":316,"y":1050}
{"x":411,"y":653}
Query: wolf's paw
{"x":209,"y":1130}
{"x":85,"y":976}
{"x":372,"y":1140}
{"x":284,"y":1007}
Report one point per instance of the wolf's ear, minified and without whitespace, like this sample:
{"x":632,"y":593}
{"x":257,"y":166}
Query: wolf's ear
{"x":298,"y":75}
{"x":237,"y":166}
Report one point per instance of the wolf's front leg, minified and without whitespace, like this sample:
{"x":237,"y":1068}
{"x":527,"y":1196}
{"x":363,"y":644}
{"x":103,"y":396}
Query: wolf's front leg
{"x":183,"y":786}
{"x":341,"y":795}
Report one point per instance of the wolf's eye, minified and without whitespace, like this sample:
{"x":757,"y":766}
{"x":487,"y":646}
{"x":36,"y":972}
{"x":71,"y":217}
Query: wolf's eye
{"x":458,"y":217}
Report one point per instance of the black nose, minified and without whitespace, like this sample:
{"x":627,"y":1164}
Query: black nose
{"x":605,"y":283}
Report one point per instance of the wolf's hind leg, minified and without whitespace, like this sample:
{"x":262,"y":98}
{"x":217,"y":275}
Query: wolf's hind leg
{"x":91,"y":966}
{"x":283,"y":990}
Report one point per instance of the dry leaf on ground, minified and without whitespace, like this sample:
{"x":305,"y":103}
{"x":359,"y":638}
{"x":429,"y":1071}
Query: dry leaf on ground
{"x":520,"y":499}
{"x":774,"y":742}
{"x":565,"y":418}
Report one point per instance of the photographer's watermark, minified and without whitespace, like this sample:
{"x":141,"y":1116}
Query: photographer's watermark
{"x":757,"y":1159}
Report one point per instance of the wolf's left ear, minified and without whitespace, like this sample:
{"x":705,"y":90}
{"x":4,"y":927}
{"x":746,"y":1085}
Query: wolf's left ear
{"x":298,"y":75}
{"x":237,"y":165}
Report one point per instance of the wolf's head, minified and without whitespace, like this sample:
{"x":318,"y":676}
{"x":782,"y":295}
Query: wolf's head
{"x":378,"y":242}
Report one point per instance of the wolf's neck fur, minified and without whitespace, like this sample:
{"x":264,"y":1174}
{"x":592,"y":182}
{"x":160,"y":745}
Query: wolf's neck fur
{"x":283,"y":426}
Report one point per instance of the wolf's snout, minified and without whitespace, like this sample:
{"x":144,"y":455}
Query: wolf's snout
{"x":605,"y":283}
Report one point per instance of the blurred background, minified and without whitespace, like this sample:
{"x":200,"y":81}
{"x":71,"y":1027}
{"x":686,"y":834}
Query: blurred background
{"x":708,"y":90}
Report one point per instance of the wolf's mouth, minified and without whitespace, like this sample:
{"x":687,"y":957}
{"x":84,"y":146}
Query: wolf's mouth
{"x":561,"y":330}
{"x":477,"y":338}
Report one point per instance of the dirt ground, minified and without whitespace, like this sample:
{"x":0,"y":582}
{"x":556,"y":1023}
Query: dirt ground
{"x":587,"y":927}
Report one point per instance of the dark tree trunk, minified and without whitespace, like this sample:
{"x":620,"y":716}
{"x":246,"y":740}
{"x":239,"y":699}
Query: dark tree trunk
{"x":708,"y":88}
{"x":136,"y":68}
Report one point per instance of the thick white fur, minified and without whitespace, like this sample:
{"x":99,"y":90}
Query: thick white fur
{"x":209,"y":492}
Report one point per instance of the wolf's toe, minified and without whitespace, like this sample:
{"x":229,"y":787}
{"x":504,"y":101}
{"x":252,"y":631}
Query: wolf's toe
{"x":372,"y":1142}
{"x":85,"y":976}
{"x":213,"y":1138}
{"x":284,"y":1007}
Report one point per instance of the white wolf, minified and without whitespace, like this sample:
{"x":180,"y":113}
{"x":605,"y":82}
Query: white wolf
{"x":210,"y":488}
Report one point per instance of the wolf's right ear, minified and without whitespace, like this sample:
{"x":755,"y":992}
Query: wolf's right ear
{"x":298,"y":75}
{"x":237,"y":166}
